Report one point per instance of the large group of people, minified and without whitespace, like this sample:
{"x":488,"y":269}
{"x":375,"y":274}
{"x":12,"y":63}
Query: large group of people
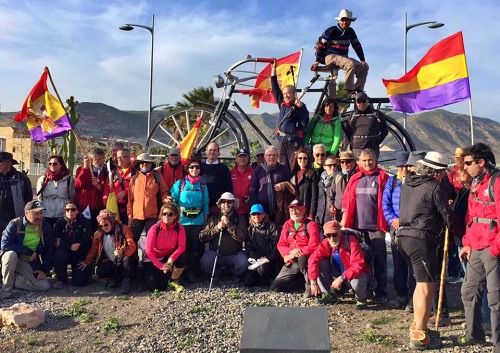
{"x":311,"y":214}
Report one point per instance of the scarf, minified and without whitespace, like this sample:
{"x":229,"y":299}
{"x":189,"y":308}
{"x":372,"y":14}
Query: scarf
{"x":193,"y":180}
{"x":327,"y":179}
{"x":288,"y":104}
{"x":327,"y":118}
{"x":51,"y":176}
{"x":146,"y":171}
{"x":349,"y":198}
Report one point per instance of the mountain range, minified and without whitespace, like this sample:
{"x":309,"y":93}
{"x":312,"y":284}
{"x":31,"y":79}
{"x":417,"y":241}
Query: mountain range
{"x":438,"y":130}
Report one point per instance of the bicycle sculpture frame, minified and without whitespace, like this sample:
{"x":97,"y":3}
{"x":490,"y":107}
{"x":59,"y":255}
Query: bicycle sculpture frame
{"x":227,"y":123}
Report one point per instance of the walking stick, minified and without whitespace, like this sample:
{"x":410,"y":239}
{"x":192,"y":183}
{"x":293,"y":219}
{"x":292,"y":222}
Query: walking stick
{"x":215,"y":262}
{"x":443,"y":275}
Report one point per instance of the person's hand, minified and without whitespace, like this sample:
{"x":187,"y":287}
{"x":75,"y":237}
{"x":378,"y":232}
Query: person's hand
{"x":220,"y":225}
{"x":225,"y":220}
{"x":263,"y":258}
{"x":298,"y":103}
{"x":337,"y":283}
{"x":395,"y":223}
{"x":332,"y":210}
{"x":167,"y":267}
{"x":130,"y":222}
{"x":287,"y":258}
{"x":33,"y":257}
{"x":314,"y":67}
{"x":87,"y":162}
{"x":82,"y":265}
{"x":273,"y":68}
{"x":121,"y":195}
{"x":39,"y":274}
{"x":95,"y":181}
{"x":365,"y":65}
{"x":118,"y":252}
{"x":315,"y":291}
{"x":279,"y":186}
{"x":465,"y":253}
{"x":57,"y":242}
{"x":75,"y":247}
{"x":296,"y":253}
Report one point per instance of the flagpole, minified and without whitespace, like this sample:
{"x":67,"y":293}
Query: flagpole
{"x":62,"y":104}
{"x":298,"y":69}
{"x":471,"y":122}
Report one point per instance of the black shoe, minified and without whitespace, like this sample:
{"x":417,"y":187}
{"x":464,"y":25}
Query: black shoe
{"x":126,"y":287}
{"x":380,"y":299}
{"x":398,"y":302}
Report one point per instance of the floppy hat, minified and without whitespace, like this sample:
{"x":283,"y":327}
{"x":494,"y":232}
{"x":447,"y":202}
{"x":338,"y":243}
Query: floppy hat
{"x":402,"y":158}
{"x":414,"y":157}
{"x":435,"y":160}
{"x":347,"y":156}
{"x":459,"y":152}
{"x":34,"y":205}
{"x":6,"y":156}
{"x":257,"y":208}
{"x":345,"y":13}
{"x":145,"y":157}
{"x":228,"y":196}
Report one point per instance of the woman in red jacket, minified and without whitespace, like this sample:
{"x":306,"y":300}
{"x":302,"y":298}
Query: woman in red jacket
{"x":165,"y":251}
{"x":241,"y":176}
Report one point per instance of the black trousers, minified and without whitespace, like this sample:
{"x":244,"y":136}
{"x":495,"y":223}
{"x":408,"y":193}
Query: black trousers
{"x":63,"y":258}
{"x":194,"y":249}
{"x":154,"y":278}
{"x":116,"y":270}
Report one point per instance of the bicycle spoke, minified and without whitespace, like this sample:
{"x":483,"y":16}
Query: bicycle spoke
{"x":188,"y":125}
{"x":169,"y":135}
{"x":161,"y":143}
{"x":178,"y":127}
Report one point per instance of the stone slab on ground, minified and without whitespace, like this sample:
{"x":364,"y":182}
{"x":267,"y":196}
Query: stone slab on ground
{"x":22,"y":316}
{"x":293,"y":329}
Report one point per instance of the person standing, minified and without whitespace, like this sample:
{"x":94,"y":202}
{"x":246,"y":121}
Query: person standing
{"x":319,"y":155}
{"x":172,"y":169}
{"x":481,"y":244}
{"x":325,"y":184}
{"x":423,"y":209}
{"x":292,"y":121}
{"x":15,"y":190}
{"x":241,"y":177}
{"x":325,"y":128}
{"x":347,"y":163}
{"x":305,"y":182}
{"x":216,"y":176}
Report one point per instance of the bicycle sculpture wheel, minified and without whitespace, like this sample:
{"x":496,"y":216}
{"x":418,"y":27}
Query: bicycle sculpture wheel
{"x":175,"y":125}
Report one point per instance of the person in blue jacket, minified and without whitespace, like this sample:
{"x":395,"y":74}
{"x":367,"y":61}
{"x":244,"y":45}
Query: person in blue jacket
{"x":404,"y":284}
{"x":27,"y":250}
{"x":191,"y":194}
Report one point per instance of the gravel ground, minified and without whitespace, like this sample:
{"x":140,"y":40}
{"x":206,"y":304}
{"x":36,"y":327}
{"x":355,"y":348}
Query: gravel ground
{"x":93,"y":319}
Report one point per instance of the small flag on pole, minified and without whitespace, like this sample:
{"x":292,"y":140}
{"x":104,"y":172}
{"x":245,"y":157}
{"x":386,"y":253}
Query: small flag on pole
{"x":187,"y":144}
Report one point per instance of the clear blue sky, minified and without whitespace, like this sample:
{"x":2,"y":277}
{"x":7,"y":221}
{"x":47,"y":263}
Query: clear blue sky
{"x":194,"y":40}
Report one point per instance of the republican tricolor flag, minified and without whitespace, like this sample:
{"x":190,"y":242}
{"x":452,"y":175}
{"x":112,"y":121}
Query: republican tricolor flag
{"x":44,"y":114}
{"x":439,"y":78}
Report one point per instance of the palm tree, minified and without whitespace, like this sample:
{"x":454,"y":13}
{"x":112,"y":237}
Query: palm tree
{"x":200,"y":97}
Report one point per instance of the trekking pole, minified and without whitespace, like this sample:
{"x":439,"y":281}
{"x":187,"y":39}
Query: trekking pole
{"x":215,"y":261}
{"x":443,"y":275}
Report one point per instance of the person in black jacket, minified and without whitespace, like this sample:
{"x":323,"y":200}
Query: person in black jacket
{"x":326,"y":186}
{"x":261,"y":248}
{"x":305,"y":182}
{"x":366,"y":127}
{"x":72,"y":242}
{"x":423,"y":209}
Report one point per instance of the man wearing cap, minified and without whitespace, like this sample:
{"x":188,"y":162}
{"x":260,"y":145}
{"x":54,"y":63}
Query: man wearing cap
{"x":332,"y":50}
{"x":363,"y":211}
{"x":298,"y":239}
{"x":241,"y":177}
{"x":481,"y":244}
{"x":403,"y":281}
{"x":172,"y":169}
{"x":259,"y":158}
{"x":27,"y":251}
{"x":15,"y":190}
{"x":347,"y":163}
{"x":366,"y":127}
{"x":225,"y":233}
{"x":146,"y":194}
{"x":413,"y":158}
{"x":423,"y":210}
{"x":215,"y":175}
{"x":343,"y":265}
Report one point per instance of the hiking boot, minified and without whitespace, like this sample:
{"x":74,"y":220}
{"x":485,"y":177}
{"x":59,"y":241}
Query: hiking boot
{"x":444,"y":320}
{"x":176,"y":286}
{"x":361,"y":304}
{"x":419,"y":340}
{"x":327,"y":298}
{"x":409,"y":307}
{"x":307,"y":293}
{"x":397,"y":302}
{"x":126,"y":286}
{"x":58,"y":285}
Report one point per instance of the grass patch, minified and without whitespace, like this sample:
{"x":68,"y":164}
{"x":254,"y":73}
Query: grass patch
{"x":371,"y":336}
{"x":185,"y":342}
{"x":382,"y":320}
{"x":253,"y":303}
{"x":65,"y":350}
{"x":234,"y":293}
{"x":77,"y":308}
{"x":197,"y":310}
{"x":111,"y":325}
{"x":85,"y":317}
{"x":32,"y":341}
{"x":156,"y":293}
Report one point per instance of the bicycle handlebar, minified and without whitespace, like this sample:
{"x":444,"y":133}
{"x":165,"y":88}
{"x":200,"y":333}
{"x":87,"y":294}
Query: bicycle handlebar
{"x":265,"y":60}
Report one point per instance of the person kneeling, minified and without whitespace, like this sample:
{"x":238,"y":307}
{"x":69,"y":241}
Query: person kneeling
{"x":225,"y":234}
{"x":165,"y":251}
{"x":339,"y":264}
{"x":114,"y":246}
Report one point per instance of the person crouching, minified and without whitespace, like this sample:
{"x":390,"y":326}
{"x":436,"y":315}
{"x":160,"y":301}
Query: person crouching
{"x":113,"y":245}
{"x":165,"y":251}
{"x":337,"y":264}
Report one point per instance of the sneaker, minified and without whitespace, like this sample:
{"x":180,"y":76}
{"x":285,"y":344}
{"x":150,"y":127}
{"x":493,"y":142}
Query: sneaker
{"x":409,"y":307}
{"x":398,"y":302}
{"x":454,"y":280}
{"x":444,"y":320}
{"x":361,"y":304}
{"x":419,"y":340}
{"x":327,"y":298}
{"x":126,"y":287}
{"x":176,"y":286}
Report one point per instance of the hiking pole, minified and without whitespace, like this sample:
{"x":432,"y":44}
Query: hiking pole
{"x":215,"y":261}
{"x":443,"y":275}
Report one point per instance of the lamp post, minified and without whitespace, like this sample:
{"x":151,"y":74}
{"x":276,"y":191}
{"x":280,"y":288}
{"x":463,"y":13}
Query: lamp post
{"x":151,"y":29}
{"x":430,"y":24}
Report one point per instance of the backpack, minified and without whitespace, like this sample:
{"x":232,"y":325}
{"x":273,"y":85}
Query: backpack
{"x":491,"y":185}
{"x":363,"y":239}
{"x":183,"y":183}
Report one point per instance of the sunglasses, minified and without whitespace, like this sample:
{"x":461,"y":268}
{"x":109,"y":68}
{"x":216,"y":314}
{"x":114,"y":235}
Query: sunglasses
{"x":226,"y":201}
{"x":320,"y":154}
{"x":168,"y":214}
{"x":70,"y":209}
{"x":345,"y":162}
{"x":329,"y":165}
{"x":302,"y":158}
{"x":102,"y":226}
{"x":256,"y":214}
{"x":361,"y":101}
{"x":469,"y":163}
{"x":331,"y":235}
{"x":194,"y":167}
{"x":53,"y":163}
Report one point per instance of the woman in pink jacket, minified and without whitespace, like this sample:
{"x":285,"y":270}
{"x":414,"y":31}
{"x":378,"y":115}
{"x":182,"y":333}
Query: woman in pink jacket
{"x":165,"y":251}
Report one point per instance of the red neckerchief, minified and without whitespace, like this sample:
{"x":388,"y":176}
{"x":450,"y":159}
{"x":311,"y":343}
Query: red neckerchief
{"x":287,"y":104}
{"x":327,"y":118}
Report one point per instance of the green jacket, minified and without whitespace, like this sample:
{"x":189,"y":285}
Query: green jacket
{"x":329,"y":134}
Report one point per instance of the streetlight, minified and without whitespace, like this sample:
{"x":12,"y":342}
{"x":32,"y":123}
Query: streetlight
{"x":129,"y":27}
{"x":430,"y":24}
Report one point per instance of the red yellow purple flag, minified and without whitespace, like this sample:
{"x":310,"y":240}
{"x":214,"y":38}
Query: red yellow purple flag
{"x":187,"y":144}
{"x":439,"y":78}
{"x":44,"y":114}
{"x":287,"y":70}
